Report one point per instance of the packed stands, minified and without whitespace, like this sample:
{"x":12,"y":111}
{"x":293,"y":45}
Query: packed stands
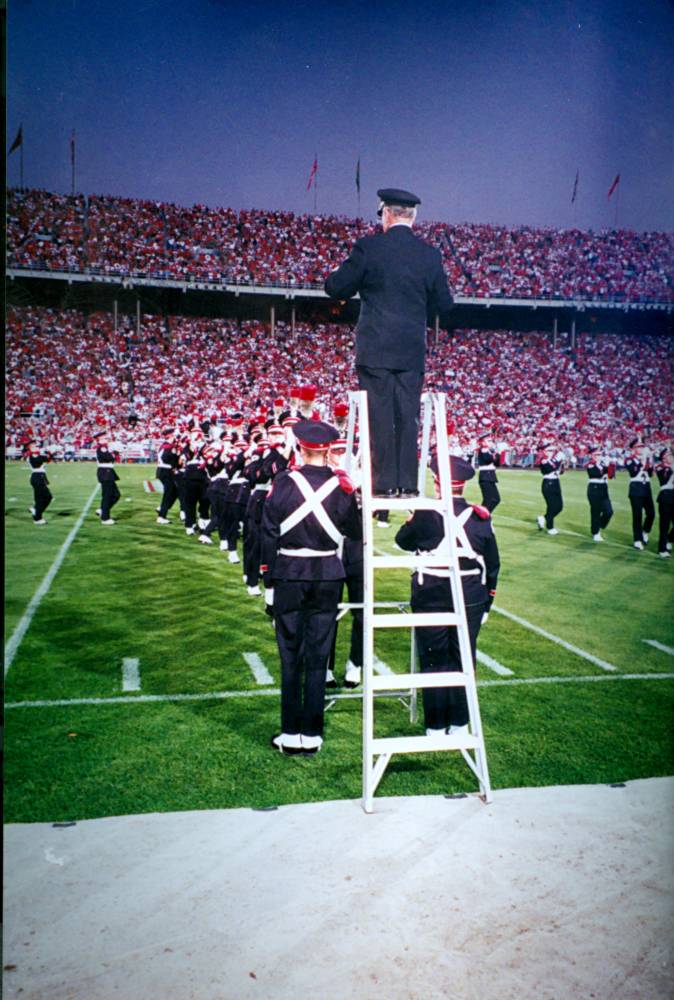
{"x":119,"y":236}
{"x":68,"y":374}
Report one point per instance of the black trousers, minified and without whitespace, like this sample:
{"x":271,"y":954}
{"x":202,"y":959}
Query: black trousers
{"x":438,"y":648}
{"x":304,"y":616}
{"x":42,"y":496}
{"x":354,"y":588}
{"x":229,"y":530}
{"x":393,"y":398}
{"x":601,"y":509}
{"x":168,"y":481}
{"x":109,"y":496}
{"x":218,"y":511}
{"x":251,"y":551}
{"x":643,"y":516}
{"x":666,"y":524}
{"x":195,"y":496}
{"x":552,"y":493}
{"x":491,"y":497}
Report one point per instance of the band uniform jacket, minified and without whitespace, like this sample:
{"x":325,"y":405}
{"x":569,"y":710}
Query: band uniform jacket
{"x":105,"y":458}
{"x":639,"y":478}
{"x":283,"y":500}
{"x":486,"y":464}
{"x":597,"y":472}
{"x":38,"y":475}
{"x":425,"y":531}
{"x":402,"y":288}
{"x":665,"y":475}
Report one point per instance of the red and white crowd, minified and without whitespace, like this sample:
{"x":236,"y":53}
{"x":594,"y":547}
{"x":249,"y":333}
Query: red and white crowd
{"x":68,"y":374}
{"x":121,"y":236}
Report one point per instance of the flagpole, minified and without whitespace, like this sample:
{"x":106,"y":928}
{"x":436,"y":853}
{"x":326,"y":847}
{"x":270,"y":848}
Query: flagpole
{"x":72,"y":161}
{"x":617,"y":202}
{"x":315,"y":180}
{"x":21,"y":161}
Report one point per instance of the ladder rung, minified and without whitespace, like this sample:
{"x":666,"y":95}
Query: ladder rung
{"x":416,"y":618}
{"x":410,"y":562}
{"x":402,"y":503}
{"x":419,"y":744}
{"x":403,"y":682}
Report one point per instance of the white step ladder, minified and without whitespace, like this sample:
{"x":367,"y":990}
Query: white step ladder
{"x":377,"y":753}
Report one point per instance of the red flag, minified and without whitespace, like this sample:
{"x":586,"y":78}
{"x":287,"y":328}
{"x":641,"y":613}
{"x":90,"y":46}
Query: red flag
{"x":18,"y":141}
{"x":613,"y":186}
{"x":314,"y":171}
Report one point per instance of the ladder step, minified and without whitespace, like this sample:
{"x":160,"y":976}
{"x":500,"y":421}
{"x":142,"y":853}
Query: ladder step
{"x":402,"y":503}
{"x":420,"y":744}
{"x":416,"y":619}
{"x":411,"y":562}
{"x":404,"y":682}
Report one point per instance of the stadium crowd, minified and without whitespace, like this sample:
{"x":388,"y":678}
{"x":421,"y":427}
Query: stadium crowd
{"x":117,"y":236}
{"x":69,"y":373}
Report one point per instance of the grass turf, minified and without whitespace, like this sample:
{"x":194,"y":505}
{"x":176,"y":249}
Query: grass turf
{"x":148,"y":592}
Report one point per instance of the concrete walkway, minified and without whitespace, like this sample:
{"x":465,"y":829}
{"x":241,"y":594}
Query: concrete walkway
{"x":546,"y":894}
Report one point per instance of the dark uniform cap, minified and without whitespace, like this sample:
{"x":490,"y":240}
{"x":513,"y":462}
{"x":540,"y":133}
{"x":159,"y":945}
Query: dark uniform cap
{"x":315,"y":435}
{"x":461,"y":469}
{"x":396,"y":196}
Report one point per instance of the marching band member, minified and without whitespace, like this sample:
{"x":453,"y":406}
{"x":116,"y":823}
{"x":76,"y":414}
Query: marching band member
{"x":196,"y":482}
{"x":306,"y":514}
{"x":601,"y":510}
{"x":106,"y":476}
{"x":42,"y":495}
{"x":552,"y":467}
{"x":640,"y":470}
{"x":487,"y":461}
{"x":665,"y":474}
{"x":446,"y":709}
{"x":167,"y":466}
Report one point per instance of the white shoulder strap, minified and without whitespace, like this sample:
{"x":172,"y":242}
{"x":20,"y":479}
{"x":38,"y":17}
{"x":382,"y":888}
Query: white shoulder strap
{"x":313,"y":504}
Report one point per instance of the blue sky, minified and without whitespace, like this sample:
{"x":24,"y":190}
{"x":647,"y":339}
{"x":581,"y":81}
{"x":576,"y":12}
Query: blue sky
{"x":485,"y":110}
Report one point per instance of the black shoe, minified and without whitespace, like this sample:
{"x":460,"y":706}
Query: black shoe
{"x":407,"y":494}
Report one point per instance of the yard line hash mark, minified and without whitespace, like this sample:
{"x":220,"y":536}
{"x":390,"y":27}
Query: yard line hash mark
{"x":659,"y":645}
{"x":144,"y":699}
{"x":130,"y":674}
{"x":494,"y":665}
{"x":260,"y":672}
{"x":24,"y":624}
{"x":555,"y":638}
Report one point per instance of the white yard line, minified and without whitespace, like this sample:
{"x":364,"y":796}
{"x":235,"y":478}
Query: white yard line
{"x":143,"y":699}
{"x":380,"y":667}
{"x":14,"y":642}
{"x":659,"y":645}
{"x":494,"y":665}
{"x":260,"y":672}
{"x":130,"y":674}
{"x":555,"y":638}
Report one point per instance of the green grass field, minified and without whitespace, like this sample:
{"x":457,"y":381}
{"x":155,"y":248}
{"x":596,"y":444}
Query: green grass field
{"x":77,"y":746}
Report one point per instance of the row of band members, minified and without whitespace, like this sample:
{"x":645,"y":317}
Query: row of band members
{"x":296,"y":505}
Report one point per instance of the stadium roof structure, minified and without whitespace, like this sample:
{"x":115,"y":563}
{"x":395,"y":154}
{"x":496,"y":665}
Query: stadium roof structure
{"x":77,"y":288}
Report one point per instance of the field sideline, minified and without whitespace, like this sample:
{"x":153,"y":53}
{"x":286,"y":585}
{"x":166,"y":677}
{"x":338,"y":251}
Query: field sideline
{"x":140,"y":677}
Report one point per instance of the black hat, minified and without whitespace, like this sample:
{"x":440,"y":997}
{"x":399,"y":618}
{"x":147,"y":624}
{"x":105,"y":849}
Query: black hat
{"x":395,"y":196}
{"x":460,"y":468}
{"x":315,"y":435}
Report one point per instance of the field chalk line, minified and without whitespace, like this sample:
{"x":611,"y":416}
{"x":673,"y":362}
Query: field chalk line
{"x":493,"y":664}
{"x":130,"y":674}
{"x":144,"y":699}
{"x":659,"y":645}
{"x":555,"y":638}
{"x":260,"y":672}
{"x":24,"y":624}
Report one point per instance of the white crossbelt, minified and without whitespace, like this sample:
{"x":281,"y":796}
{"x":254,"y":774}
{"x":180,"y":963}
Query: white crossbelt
{"x":641,"y":477}
{"x":106,"y":465}
{"x":487,"y":468}
{"x":238,"y":479}
{"x":669,"y":485}
{"x":464,"y":551}
{"x":599,"y":482}
{"x":313,"y":504}
{"x":308,"y":553}
{"x":163,"y":465}
{"x":551,"y":475}
{"x":262,"y":488}
{"x":44,"y":472}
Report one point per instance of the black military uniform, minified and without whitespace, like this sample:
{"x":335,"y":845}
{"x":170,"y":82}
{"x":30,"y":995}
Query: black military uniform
{"x":486,"y":463}
{"x":107,"y":477}
{"x":402,"y":287}
{"x":236,"y":500}
{"x":167,"y":466}
{"x":601,"y":510}
{"x":216,"y":493}
{"x":196,"y":484}
{"x":438,"y":646}
{"x":551,"y":470}
{"x":665,"y":474}
{"x":272,"y":462}
{"x":305,"y":516}
{"x":641,"y":498}
{"x":42,"y":495}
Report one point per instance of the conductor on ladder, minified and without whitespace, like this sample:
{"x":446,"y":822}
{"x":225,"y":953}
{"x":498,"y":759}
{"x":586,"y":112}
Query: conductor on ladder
{"x":402,"y":287}
{"x":307,"y":513}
